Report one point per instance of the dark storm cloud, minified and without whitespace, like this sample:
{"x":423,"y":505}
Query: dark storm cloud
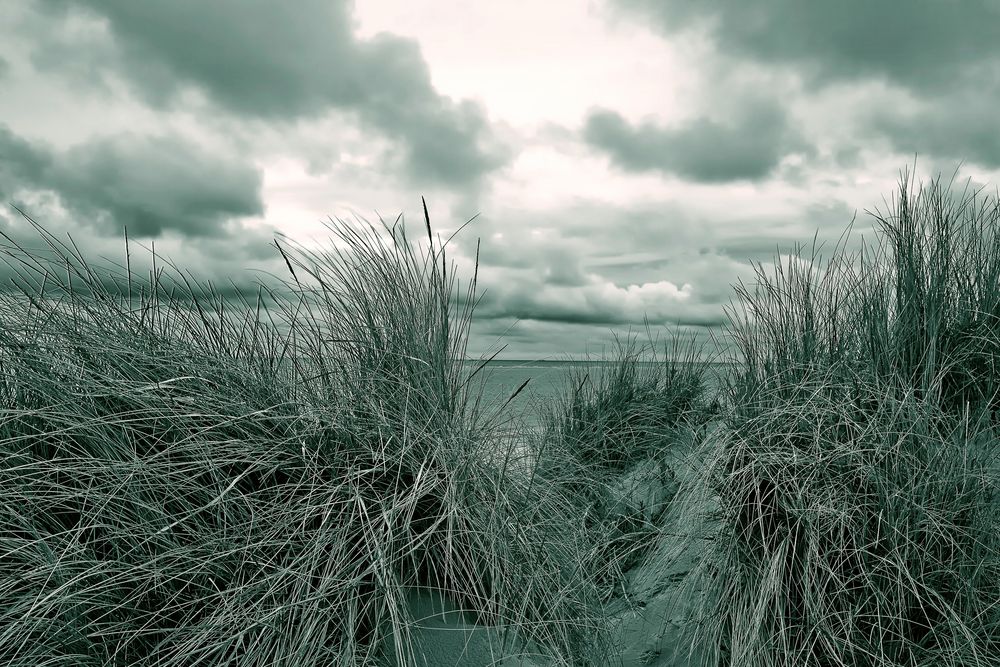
{"x":706,"y":320}
{"x":526,"y":308}
{"x":702,"y":150}
{"x":266,"y":60}
{"x":152,"y":184}
{"x":146,"y":184}
{"x":924,"y":46}
{"x":22,"y":163}
{"x":228,"y":266}
{"x":965,"y":130}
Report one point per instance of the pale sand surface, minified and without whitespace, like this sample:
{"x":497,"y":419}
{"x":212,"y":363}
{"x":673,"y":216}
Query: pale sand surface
{"x":649,"y":624}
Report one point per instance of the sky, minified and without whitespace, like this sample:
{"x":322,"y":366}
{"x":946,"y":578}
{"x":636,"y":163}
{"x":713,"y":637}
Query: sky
{"x":624,"y":162}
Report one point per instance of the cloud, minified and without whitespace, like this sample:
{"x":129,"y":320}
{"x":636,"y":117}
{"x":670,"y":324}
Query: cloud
{"x":748,"y":148}
{"x":164,"y":189}
{"x":259,"y":60}
{"x":615,"y":266}
{"x":761,"y":240}
{"x":22,"y":163}
{"x":577,"y":264}
{"x":923,"y":47}
{"x":236,"y":262}
{"x":964,"y":128}
{"x":149,"y":185}
{"x":158,"y":183}
{"x":938,"y":61}
{"x":520,"y":295}
{"x":599,"y":302}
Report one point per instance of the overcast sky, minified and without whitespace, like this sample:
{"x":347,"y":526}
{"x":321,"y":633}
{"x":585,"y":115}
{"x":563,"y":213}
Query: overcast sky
{"x":626,"y":158}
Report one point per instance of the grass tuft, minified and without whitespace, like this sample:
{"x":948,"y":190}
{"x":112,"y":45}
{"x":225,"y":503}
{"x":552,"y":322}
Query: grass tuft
{"x":857,"y":470}
{"x":617,"y":412}
{"x":188,"y":482}
{"x":605,"y":440}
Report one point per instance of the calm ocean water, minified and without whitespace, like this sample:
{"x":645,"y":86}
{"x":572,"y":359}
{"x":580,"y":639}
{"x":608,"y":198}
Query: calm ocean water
{"x":548,"y":381}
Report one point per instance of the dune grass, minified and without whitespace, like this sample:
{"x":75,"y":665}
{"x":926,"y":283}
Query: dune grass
{"x":191,"y":482}
{"x":857,"y":470}
{"x":270,"y":479}
{"x":604,"y":441}
{"x":615,"y":413}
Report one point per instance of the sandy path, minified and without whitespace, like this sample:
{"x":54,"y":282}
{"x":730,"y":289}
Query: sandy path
{"x":648,"y":629}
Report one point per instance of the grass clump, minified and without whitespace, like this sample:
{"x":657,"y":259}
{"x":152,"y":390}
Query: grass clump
{"x":615,"y":414}
{"x":191,"y":483}
{"x":604,"y":444}
{"x":857,"y":471}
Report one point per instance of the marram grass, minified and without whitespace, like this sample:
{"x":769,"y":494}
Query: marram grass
{"x":857,"y":473}
{"x":614,"y":414}
{"x":609,"y":431}
{"x":268,"y":479}
{"x":187,"y":485}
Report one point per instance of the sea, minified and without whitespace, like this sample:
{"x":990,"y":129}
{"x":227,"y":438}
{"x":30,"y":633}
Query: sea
{"x":544,"y":383}
{"x":548,"y":382}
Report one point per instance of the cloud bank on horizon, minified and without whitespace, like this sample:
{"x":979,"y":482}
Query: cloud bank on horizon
{"x":628,"y":159}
